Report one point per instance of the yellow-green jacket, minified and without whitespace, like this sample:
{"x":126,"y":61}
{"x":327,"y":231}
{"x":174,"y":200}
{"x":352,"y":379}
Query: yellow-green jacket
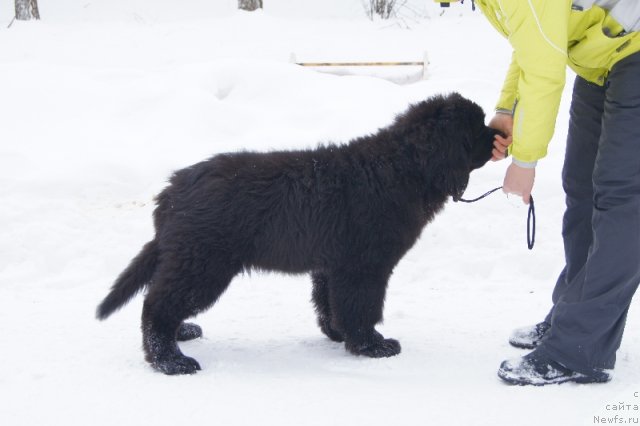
{"x":546,"y":35}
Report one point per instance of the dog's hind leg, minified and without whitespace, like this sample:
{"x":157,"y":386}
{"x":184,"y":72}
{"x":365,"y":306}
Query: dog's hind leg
{"x":320,"y":296}
{"x":175,"y":295}
{"x":357,"y":300}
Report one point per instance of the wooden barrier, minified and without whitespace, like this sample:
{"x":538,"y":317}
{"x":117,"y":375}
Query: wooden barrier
{"x":424,"y":63}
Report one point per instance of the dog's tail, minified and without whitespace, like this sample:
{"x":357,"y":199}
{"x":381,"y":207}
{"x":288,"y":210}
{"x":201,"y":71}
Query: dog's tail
{"x":130,"y":281}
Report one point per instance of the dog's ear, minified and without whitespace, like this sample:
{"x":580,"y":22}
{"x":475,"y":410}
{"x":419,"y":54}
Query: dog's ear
{"x":456,"y":169}
{"x":453,"y":148}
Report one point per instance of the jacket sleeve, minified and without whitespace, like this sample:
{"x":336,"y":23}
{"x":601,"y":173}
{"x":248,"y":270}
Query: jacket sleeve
{"x":538,"y":34}
{"x":509,"y":92}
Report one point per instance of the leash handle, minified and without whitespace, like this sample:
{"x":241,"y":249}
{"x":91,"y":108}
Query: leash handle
{"x":531,"y":224}
{"x":531,"y":215}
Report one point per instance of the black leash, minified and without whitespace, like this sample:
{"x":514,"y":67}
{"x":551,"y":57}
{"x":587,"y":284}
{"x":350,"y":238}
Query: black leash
{"x":480,"y":197}
{"x":531,"y":216}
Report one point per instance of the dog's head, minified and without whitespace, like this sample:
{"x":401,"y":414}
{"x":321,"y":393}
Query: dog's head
{"x":450,"y":139}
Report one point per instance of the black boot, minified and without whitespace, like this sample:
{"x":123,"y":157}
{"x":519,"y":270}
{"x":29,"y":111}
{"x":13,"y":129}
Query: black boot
{"x":538,"y":369}
{"x":529,"y":337}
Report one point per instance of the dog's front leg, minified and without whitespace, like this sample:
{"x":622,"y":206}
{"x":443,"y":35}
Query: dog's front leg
{"x":356,"y":298}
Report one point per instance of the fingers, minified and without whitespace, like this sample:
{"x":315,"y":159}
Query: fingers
{"x":526,"y":196}
{"x":500,"y":148}
{"x":502,"y":143}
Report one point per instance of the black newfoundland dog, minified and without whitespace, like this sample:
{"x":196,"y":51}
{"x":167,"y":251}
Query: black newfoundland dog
{"x":346,"y":214}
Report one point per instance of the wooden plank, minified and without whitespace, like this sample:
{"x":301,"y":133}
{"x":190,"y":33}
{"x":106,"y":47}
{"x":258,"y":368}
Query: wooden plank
{"x":358,"y":64}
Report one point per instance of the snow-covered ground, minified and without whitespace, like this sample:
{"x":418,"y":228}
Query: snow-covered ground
{"x":102,"y":99}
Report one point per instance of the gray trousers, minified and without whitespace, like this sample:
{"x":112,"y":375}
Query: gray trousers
{"x":601,"y":224}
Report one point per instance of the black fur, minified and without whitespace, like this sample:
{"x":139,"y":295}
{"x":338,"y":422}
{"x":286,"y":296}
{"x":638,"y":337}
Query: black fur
{"x":344,"y":213}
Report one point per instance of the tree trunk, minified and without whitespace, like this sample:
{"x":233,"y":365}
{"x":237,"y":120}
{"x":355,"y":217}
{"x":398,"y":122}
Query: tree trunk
{"x":382,"y":8}
{"x":249,"y":5}
{"x":27,"y":9}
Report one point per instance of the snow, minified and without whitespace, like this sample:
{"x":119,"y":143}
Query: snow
{"x":99,"y":103}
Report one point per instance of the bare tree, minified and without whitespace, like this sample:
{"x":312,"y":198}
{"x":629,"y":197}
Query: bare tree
{"x":383,"y":8}
{"x":249,"y":4}
{"x":27,"y":10}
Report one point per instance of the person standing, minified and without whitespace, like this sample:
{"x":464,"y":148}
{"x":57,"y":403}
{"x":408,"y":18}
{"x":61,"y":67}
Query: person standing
{"x":598,"y":39}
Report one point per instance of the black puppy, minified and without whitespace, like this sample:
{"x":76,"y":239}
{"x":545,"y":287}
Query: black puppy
{"x":344,"y":213}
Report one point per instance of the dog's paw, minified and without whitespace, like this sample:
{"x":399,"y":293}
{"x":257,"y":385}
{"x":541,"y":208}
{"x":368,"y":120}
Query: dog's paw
{"x":178,"y":364}
{"x":330,"y":332}
{"x":382,"y":348}
{"x":188,"y":331}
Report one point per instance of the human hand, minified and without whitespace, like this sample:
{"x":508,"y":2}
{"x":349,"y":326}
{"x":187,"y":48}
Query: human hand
{"x":519,"y":181}
{"x":503,"y":122}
